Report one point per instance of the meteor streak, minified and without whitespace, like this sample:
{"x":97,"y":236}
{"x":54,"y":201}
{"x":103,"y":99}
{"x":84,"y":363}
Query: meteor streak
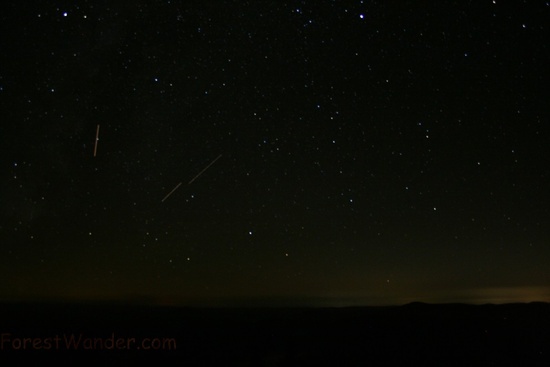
{"x":205,"y":168}
{"x":170,"y":193}
{"x":194,"y":178}
{"x":96,"y":140}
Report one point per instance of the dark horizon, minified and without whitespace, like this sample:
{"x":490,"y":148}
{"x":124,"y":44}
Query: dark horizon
{"x":495,"y":296}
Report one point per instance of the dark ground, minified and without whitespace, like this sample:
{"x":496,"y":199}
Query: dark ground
{"x":411,"y":335}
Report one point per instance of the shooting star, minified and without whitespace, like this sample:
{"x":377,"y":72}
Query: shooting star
{"x":194,"y":178}
{"x":170,"y":193}
{"x":96,"y":140}
{"x":205,"y":168}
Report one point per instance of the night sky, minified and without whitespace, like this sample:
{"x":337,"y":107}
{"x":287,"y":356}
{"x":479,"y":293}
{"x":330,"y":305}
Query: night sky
{"x":322,"y":152}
